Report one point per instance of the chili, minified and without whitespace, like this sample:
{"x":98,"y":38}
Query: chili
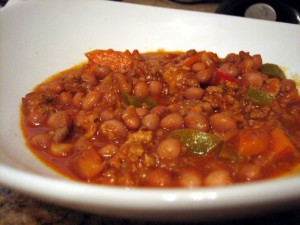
{"x":165,"y":119}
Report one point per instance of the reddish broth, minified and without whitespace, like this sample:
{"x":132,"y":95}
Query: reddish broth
{"x":165,"y":119}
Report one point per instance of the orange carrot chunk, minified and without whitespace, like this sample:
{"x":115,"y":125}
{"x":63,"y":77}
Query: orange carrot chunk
{"x":252,"y":141}
{"x":192,"y":59}
{"x":114,"y":60}
{"x":281,"y":146}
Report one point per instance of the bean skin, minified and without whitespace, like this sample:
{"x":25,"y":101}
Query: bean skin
{"x":90,"y":100}
{"x":168,"y":149}
{"x":155,"y":88}
{"x":204,"y":76}
{"x":41,"y":141}
{"x":131,"y":119}
{"x":141,"y":112}
{"x":287,"y":85}
{"x":150,"y":121}
{"x":108,"y":150}
{"x":65,"y":98}
{"x":124,"y":83}
{"x":257,"y":61}
{"x":196,"y":121}
{"x":101,"y":71}
{"x":141,"y":89}
{"x":219,"y":177}
{"x":190,"y":178}
{"x":198,"y":66}
{"x":250,"y":172}
{"x":193,"y":93}
{"x":230,"y":69}
{"x":172,"y":121}
{"x":61,"y":149}
{"x":36,"y":118}
{"x":60,"y":134}
{"x":106,"y":114}
{"x":160,"y":111}
{"x":77,"y":99}
{"x":222,"y":122}
{"x":253,"y":79}
{"x":59,"y":119}
{"x":159,"y":178}
{"x":83,"y":144}
{"x":113,"y":129}
{"x":132,"y":122}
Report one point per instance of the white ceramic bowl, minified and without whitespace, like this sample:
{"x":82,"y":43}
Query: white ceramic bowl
{"x":40,"y":38}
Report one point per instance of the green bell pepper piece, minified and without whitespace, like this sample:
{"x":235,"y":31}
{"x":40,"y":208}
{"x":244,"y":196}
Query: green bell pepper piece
{"x":273,"y":70}
{"x":196,"y":141}
{"x":139,"y":102}
{"x":259,"y":97}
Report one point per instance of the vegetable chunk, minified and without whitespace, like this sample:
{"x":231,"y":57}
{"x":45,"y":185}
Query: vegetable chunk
{"x":87,"y":164}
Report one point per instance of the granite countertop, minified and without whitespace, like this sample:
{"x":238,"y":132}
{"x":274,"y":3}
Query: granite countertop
{"x":19,"y":209}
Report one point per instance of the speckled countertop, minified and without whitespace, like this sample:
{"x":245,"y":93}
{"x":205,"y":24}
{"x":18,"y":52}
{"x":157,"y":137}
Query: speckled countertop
{"x":19,"y":209}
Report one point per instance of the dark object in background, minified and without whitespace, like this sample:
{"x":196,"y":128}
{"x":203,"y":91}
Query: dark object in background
{"x":284,"y":11}
{"x":196,"y":1}
{"x":3,"y":2}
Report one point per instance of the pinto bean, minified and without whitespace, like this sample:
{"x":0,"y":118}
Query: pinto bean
{"x":219,"y":177}
{"x":78,"y":99}
{"x":90,"y":79}
{"x":113,"y":129}
{"x":196,"y":121}
{"x":61,"y":149}
{"x":59,"y":119}
{"x":141,"y":112}
{"x":253,"y":79}
{"x":222,"y":122}
{"x":41,"y":141}
{"x":193,"y":93}
{"x":190,"y":178}
{"x":60,"y":134}
{"x":141,"y":89}
{"x":65,"y":98}
{"x":198,"y":66}
{"x":37,"y":118}
{"x":106,"y":114}
{"x":160,"y":111}
{"x":169,"y":148}
{"x":208,"y":58}
{"x":250,"y":172}
{"x":56,"y":87}
{"x":232,"y":58}
{"x":155,"y":88}
{"x":287,"y":85}
{"x":204,"y":76}
{"x":131,"y":118}
{"x":83,"y":144}
{"x":101,"y":71}
{"x":151,"y":121}
{"x":159,"y":178}
{"x":230,"y":69}
{"x":257,"y":61}
{"x":132,"y":122}
{"x":108,"y":150}
{"x":91,"y":99}
{"x":124,"y":82}
{"x":172,"y":121}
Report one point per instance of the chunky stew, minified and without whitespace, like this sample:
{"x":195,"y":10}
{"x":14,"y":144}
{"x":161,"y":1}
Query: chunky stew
{"x":166,"y":119}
